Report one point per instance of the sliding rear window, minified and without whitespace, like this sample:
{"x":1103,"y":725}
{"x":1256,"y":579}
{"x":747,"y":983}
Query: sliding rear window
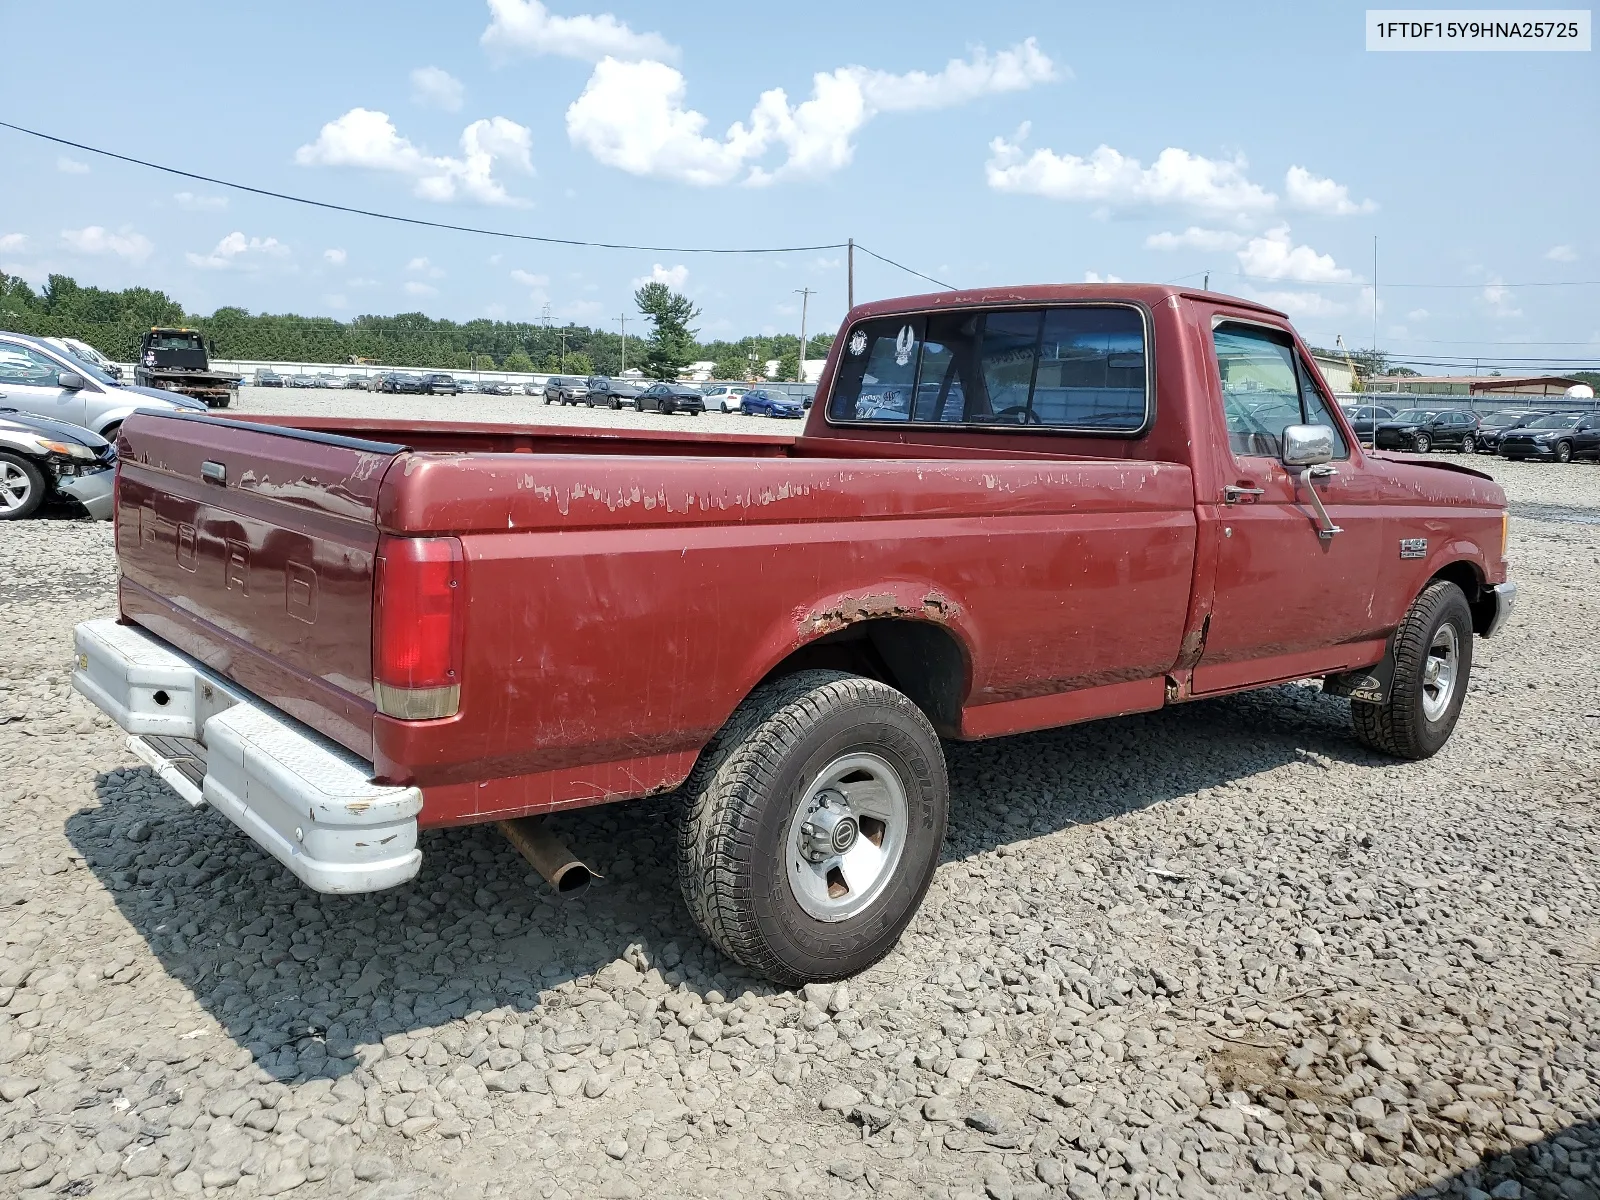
{"x":1079,"y":368}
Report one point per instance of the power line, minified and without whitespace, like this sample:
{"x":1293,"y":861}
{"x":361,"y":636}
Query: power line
{"x":382,"y":216}
{"x":950,"y":286}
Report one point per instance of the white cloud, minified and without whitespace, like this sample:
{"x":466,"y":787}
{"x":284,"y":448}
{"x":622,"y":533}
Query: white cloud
{"x":673,"y":277}
{"x":434,"y":87}
{"x":10,"y":243}
{"x":1176,"y":179}
{"x":420,"y":265}
{"x":1499,"y":301}
{"x":1311,"y":193}
{"x":336,"y":300}
{"x":1417,"y":314}
{"x":71,"y":166}
{"x":1274,"y":256}
{"x":1096,"y":277}
{"x":527,"y":27}
{"x":528,"y":279}
{"x":194,"y":202}
{"x":95,"y":239}
{"x":335,"y":256}
{"x":367,"y":138}
{"x":632,"y":116}
{"x":1561,"y":254}
{"x":414,"y":288}
{"x":1195,"y":238}
{"x":581,"y":309}
{"x":236,"y":250}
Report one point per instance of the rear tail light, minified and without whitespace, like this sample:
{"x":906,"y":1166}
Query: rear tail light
{"x":417,"y":627}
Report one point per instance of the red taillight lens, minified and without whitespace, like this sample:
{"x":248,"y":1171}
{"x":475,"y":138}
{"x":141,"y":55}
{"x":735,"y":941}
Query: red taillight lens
{"x":417,"y":629}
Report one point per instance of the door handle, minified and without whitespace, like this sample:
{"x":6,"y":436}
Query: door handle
{"x":1232,"y":493}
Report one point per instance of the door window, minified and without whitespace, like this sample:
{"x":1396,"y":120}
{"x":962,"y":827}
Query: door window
{"x":1265,"y":388}
{"x":1319,"y":410}
{"x":24,"y":366}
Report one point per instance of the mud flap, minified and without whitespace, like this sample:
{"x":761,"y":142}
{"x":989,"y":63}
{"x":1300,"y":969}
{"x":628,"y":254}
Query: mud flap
{"x":1369,"y":684}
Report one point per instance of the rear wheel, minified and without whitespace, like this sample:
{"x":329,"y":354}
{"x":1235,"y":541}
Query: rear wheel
{"x":1433,"y":661}
{"x":812,"y":825}
{"x":1469,"y":444}
{"x":22,"y":487}
{"x":638,"y":404}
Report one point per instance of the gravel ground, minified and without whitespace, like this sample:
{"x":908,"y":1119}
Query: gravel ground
{"x":1218,"y":950}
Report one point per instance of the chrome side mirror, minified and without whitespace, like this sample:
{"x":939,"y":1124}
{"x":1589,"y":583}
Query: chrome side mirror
{"x":1307,"y":445}
{"x":70,"y":380}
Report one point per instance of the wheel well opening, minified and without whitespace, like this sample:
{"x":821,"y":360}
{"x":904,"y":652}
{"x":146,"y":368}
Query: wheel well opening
{"x":1465,"y":576}
{"x":925,"y":661}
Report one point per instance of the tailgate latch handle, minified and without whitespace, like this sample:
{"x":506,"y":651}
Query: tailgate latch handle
{"x":214,"y":472}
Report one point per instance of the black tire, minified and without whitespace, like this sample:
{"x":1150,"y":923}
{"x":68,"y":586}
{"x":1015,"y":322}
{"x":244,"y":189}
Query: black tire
{"x":1401,"y":726}
{"x":1563,"y":452}
{"x":1469,"y":444}
{"x":24,"y":487}
{"x":1421,"y":444}
{"x":743,"y":794}
{"x":638,"y":404}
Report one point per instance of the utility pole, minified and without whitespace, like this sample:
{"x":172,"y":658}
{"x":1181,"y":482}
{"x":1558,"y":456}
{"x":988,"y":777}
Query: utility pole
{"x":850,"y":274}
{"x":1205,"y":285}
{"x":805,"y":297}
{"x":564,"y":349}
{"x":1374,"y":303}
{"x":623,"y":320}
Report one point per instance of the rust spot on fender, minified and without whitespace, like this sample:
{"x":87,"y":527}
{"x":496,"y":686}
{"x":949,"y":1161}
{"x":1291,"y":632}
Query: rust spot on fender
{"x":934,"y":607}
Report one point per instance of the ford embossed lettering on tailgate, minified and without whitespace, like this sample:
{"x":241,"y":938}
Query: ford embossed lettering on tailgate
{"x":251,"y":548}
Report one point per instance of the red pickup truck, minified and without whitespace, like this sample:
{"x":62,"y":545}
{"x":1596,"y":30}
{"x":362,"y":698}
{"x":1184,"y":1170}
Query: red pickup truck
{"x":1009,"y":509}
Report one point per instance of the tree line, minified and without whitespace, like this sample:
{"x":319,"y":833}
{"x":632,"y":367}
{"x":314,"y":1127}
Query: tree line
{"x":112,"y":322}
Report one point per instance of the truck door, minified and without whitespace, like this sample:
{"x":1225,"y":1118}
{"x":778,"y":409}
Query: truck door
{"x":28,"y":383}
{"x":1290,"y":597}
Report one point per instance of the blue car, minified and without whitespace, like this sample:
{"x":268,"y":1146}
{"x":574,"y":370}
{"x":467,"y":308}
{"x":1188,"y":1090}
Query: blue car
{"x":769,"y":404}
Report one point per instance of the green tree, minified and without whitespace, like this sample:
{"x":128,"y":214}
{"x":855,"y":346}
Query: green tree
{"x":579,"y":363}
{"x":731,"y":364}
{"x":789,"y":365}
{"x":672,"y":342}
{"x":517,"y":360}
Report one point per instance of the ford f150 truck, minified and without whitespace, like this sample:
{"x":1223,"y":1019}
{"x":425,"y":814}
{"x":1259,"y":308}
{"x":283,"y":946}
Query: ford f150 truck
{"x":1008,"y":510}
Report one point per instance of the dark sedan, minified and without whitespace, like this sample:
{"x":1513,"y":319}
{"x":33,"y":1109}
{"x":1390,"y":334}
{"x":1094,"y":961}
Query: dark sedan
{"x":400,"y":381}
{"x":1496,"y":425}
{"x":1425,"y":429}
{"x":440,"y":384}
{"x":1559,"y":437}
{"x":761,"y":403}
{"x":269,"y":379}
{"x":613,"y":393}
{"x":1365,"y":418}
{"x":670,"y":398}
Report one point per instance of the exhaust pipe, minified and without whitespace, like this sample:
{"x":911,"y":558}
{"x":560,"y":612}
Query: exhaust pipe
{"x":548,"y":855}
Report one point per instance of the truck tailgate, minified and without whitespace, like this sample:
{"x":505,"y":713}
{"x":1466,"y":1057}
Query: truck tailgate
{"x":251,"y":548}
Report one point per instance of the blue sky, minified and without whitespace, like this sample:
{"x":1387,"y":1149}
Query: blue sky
{"x":981,"y":144}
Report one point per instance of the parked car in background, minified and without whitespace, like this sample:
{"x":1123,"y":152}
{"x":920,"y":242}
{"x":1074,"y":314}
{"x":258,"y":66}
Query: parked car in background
{"x":724,"y":397}
{"x":762,"y":403}
{"x":531,"y":388}
{"x":670,"y":398}
{"x":440,"y":384}
{"x":266,"y":378}
{"x":87,"y":353}
{"x":1425,"y":429}
{"x":37,"y":377}
{"x":402,"y":382}
{"x":1494,"y":426}
{"x":613,"y":393}
{"x":355,"y":382}
{"x":497,"y":387}
{"x":330,"y":379}
{"x":1557,"y":437}
{"x":565,"y":389}
{"x":1365,"y":418}
{"x":41,"y":459}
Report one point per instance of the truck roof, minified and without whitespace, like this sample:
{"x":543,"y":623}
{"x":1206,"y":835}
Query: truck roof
{"x":1150,"y":294}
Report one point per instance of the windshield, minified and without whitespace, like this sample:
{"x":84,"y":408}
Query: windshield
{"x":1555,"y":421}
{"x":1414,"y":414}
{"x":84,"y":367}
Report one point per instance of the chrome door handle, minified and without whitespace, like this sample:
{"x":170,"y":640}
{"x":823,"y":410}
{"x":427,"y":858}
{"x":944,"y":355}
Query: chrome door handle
{"x":1232,"y":493}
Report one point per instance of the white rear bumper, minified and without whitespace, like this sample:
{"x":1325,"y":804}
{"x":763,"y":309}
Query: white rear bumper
{"x":309,"y":803}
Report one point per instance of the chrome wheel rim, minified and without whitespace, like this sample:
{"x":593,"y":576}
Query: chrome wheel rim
{"x":1439,"y":672}
{"x":846,"y":837}
{"x":15,"y":487}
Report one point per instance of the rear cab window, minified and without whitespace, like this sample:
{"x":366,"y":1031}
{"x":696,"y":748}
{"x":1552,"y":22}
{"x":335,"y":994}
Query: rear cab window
{"x":1082,"y":368}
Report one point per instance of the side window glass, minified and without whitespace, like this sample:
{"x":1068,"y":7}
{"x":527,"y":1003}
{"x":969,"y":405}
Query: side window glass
{"x":24,"y":367}
{"x":1260,"y":393}
{"x":1091,"y":369}
{"x":878,"y":372}
{"x":1319,"y":411}
{"x":1010,"y":350}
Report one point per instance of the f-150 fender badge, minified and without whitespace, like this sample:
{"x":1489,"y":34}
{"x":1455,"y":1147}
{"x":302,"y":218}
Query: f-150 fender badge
{"x":1413,"y":547}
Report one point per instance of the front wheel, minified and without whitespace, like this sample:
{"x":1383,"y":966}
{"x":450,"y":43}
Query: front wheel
{"x":22,"y":487}
{"x":1432,"y":663}
{"x":1563,"y":452}
{"x":1469,"y":444}
{"x":812,"y":825}
{"x":638,"y":405}
{"x":1422,"y":444}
